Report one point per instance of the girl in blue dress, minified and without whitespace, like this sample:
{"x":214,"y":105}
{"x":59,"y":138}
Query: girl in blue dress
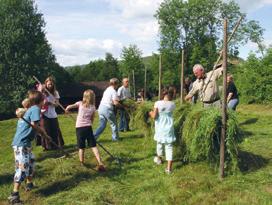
{"x":164,"y":129}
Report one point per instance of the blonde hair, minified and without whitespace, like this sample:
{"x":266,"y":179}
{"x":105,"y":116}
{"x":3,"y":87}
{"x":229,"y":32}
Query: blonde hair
{"x":26,"y":103}
{"x":88,"y":98}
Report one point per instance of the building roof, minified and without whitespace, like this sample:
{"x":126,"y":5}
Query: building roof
{"x":75,"y":90}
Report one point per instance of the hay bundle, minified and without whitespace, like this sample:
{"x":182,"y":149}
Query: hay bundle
{"x":201,"y":137}
{"x":141,"y":120}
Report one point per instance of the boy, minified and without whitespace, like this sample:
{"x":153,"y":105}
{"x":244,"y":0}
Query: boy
{"x":25,"y":133}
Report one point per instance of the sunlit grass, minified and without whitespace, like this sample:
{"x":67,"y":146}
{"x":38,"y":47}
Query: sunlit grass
{"x":138,"y":180}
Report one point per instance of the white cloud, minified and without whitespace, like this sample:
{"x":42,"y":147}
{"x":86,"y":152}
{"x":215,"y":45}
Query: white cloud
{"x":78,"y":36}
{"x":81,"y":51}
{"x":252,"y":5}
{"x":131,"y":9}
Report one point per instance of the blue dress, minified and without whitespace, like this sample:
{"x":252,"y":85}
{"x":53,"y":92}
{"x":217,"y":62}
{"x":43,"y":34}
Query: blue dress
{"x":164,"y":128}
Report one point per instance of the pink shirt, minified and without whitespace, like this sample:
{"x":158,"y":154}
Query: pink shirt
{"x":84,"y":115}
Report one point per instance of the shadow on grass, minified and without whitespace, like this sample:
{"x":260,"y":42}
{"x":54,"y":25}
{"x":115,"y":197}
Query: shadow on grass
{"x":6,"y":178}
{"x":71,"y":182}
{"x":250,"y":162}
{"x":56,"y":153}
{"x":123,"y":138}
{"x":249,"y":121}
{"x":246,"y":134}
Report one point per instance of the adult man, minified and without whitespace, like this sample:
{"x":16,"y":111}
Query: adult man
{"x":205,"y":86}
{"x":106,"y":110}
{"x":124,"y":93}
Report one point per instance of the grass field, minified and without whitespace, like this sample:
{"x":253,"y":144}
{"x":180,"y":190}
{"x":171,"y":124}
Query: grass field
{"x":139,"y":180}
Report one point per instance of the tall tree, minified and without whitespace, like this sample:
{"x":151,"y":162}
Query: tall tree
{"x":131,"y":59}
{"x":196,"y":26}
{"x":24,"y":51}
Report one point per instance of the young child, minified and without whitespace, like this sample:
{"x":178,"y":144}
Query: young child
{"x":164,"y":129}
{"x":84,"y":132}
{"x":24,"y":163}
{"x":21,"y":111}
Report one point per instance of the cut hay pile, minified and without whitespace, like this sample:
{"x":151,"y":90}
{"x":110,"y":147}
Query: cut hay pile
{"x":140,"y":119}
{"x":201,"y":133}
{"x":198,"y":132}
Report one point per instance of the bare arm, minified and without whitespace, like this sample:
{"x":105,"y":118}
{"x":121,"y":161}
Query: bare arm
{"x":154,"y":113}
{"x":229,"y":96}
{"x":69,"y":107}
{"x":118,"y":104}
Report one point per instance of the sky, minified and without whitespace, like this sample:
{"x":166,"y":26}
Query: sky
{"x":84,"y":30}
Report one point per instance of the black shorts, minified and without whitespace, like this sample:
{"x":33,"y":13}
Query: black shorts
{"x":83,"y":134}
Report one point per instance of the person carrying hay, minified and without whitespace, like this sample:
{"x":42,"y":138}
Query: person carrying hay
{"x":106,"y":110}
{"x":123,"y":94}
{"x":206,"y":86}
{"x":164,"y":128}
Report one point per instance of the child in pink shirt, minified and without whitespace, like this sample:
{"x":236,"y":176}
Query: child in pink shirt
{"x":84,"y":132}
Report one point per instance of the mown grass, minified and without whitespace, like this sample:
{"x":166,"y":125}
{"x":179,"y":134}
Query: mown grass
{"x":138,"y":180}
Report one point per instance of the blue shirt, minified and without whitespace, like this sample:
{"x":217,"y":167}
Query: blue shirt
{"x":24,"y":132}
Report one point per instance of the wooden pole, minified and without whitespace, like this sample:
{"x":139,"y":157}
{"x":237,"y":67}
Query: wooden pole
{"x":133,"y":76}
{"x":224,"y":104}
{"x":160,"y":76}
{"x":182,"y":77}
{"x":145,"y":79}
{"x":221,"y":52}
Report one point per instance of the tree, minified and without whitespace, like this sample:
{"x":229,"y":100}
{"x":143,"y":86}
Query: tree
{"x":253,"y":78}
{"x":24,"y":51}
{"x":131,"y":59}
{"x":196,"y":26}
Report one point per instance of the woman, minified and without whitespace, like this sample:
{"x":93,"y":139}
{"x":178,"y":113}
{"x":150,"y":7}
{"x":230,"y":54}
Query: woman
{"x":232,"y":94}
{"x":51,"y":123}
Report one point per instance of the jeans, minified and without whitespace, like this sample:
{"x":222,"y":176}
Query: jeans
{"x":123,"y":120}
{"x":233,"y":103}
{"x":106,"y":114}
{"x":168,"y":150}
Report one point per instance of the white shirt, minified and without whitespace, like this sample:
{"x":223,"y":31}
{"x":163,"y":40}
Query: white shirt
{"x":109,"y":96}
{"x":165,"y":106}
{"x":51,"y":111}
{"x":123,"y":93}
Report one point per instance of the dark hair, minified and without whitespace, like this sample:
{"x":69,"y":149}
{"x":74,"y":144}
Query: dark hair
{"x":35,"y":97}
{"x":169,"y":92}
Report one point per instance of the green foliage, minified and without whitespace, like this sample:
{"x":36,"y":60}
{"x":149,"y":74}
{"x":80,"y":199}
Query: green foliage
{"x":196,"y":27}
{"x":131,"y":60}
{"x":24,"y":51}
{"x":253,"y":79}
{"x":96,"y":70}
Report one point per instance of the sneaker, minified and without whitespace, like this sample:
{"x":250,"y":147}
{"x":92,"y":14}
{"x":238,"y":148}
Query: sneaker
{"x":157,"y":160}
{"x":168,"y":171}
{"x":100,"y":168}
{"x":14,"y":199}
{"x":29,"y":186}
